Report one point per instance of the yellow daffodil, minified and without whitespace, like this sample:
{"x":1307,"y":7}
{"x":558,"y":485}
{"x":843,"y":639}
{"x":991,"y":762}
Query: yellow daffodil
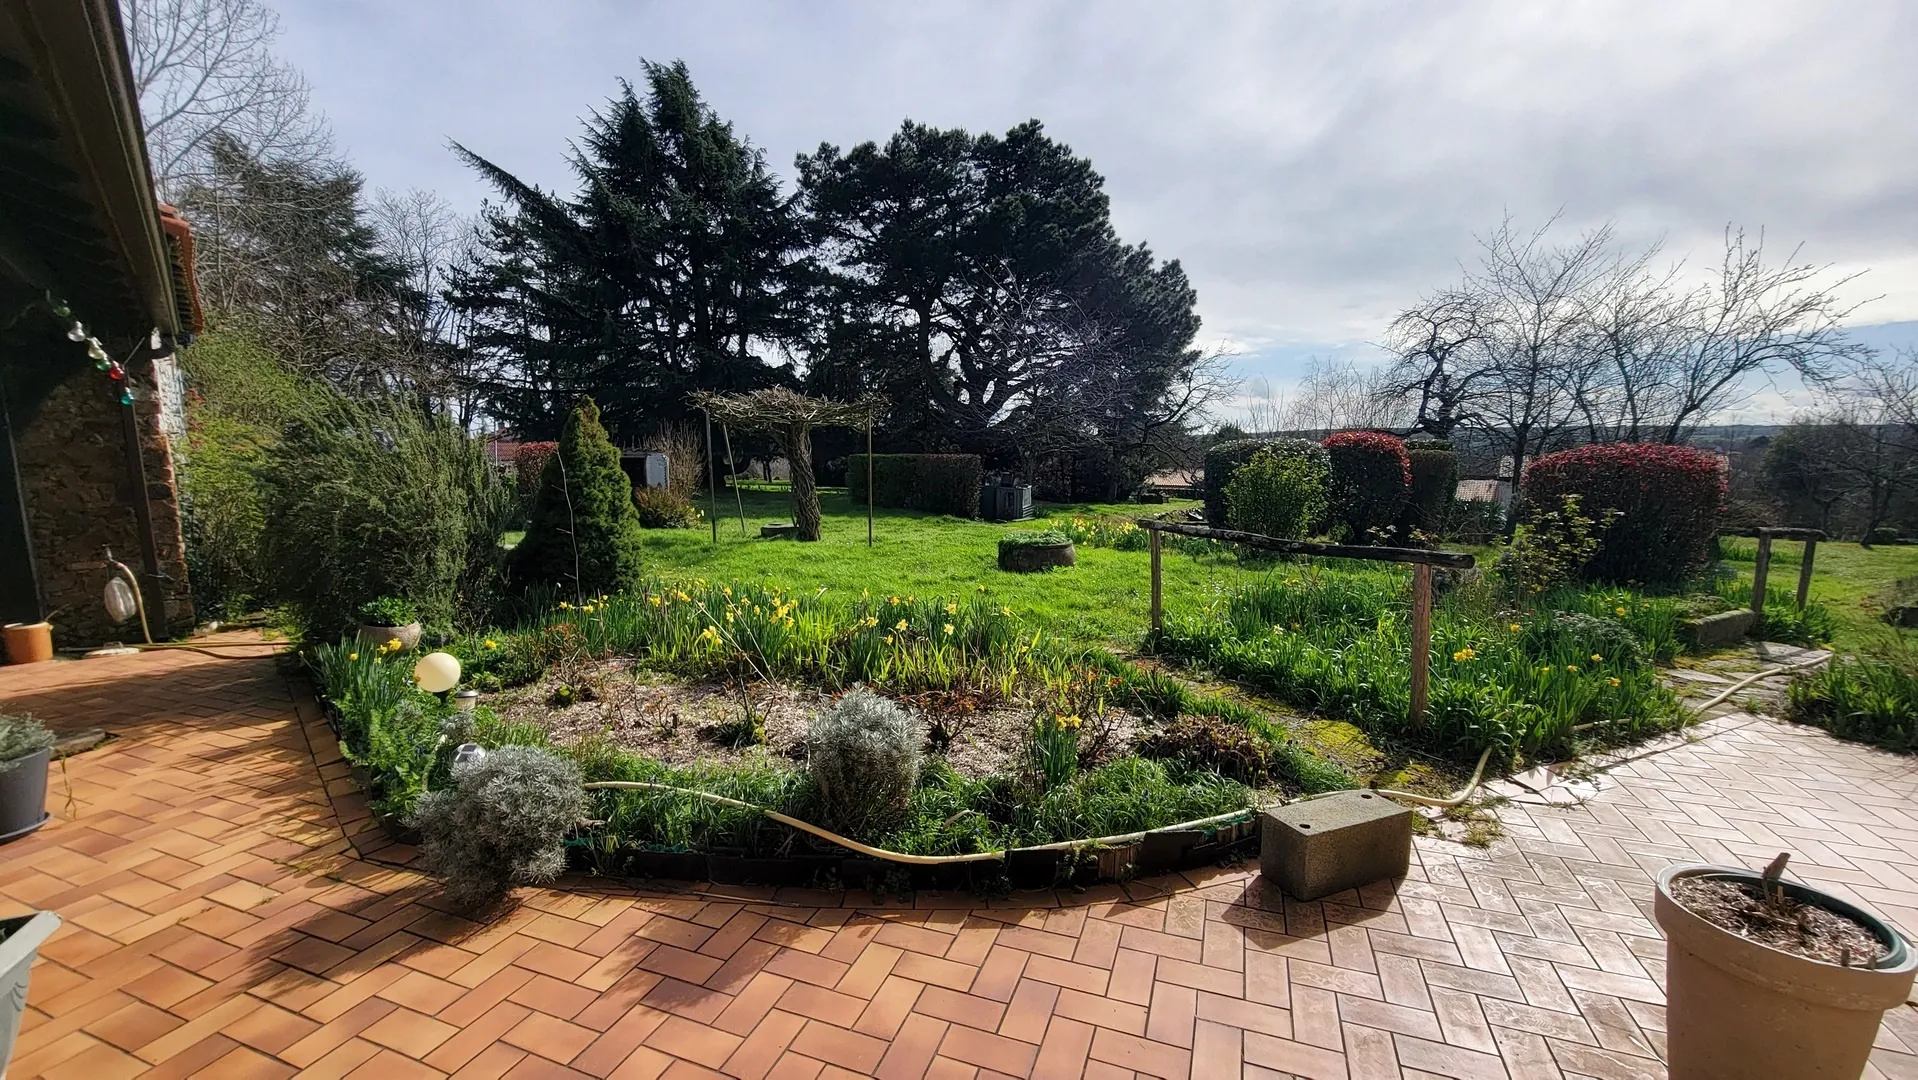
{"x":1515,"y":628}
{"x":888,"y":639}
{"x":654,"y":599}
{"x":893,"y":600}
{"x":1597,"y":658}
{"x":900,"y":626}
{"x":948,"y":628}
{"x":1464,"y":654}
{"x":682,"y":597}
{"x":352,"y":656}
{"x":1005,"y":610}
{"x":490,"y":643}
{"x":952,"y":609}
{"x":1571,"y":667}
{"x":1611,"y":682}
{"x":1619,"y":611}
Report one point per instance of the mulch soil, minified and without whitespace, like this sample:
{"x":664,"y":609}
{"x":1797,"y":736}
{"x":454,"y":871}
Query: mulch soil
{"x":1780,"y":923}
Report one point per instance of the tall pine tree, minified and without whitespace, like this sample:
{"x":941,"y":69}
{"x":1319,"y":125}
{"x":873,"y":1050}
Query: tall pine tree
{"x":671,"y":270}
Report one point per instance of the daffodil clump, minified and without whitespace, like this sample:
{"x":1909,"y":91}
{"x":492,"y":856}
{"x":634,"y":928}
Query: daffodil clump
{"x":1337,"y":639}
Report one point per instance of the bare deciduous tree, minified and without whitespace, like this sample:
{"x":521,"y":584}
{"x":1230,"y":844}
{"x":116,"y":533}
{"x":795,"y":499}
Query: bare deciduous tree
{"x":205,"y":68}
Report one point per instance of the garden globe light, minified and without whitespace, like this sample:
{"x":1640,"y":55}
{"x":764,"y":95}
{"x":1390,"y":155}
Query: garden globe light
{"x":437,"y":672}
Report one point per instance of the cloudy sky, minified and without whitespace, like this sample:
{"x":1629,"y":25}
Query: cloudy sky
{"x":1315,"y":166}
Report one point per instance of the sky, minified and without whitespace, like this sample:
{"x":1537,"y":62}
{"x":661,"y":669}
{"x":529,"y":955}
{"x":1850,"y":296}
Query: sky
{"x":1315,"y":167}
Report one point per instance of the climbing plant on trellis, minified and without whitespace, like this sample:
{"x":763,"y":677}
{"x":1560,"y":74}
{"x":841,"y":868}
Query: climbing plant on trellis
{"x":791,"y":416}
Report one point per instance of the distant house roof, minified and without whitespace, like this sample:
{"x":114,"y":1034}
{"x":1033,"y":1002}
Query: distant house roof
{"x":1478,"y":490}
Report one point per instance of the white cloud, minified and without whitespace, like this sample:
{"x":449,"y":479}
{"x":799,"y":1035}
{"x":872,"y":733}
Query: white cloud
{"x":1314,"y":167}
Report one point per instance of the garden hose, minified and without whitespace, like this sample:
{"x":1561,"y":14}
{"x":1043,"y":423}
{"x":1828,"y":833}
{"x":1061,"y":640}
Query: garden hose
{"x":1427,"y":800}
{"x":1803,"y":665}
{"x":901,"y":857}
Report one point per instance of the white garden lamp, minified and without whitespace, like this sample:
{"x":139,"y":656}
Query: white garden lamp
{"x":437,"y":672}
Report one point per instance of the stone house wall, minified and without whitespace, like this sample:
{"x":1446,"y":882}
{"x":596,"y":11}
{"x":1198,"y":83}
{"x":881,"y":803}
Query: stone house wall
{"x":80,"y":492}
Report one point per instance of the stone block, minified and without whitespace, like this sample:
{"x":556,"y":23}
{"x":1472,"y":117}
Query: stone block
{"x":1724,"y":628}
{"x":1321,"y":846}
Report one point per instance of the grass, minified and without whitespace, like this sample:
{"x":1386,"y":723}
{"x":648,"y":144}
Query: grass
{"x":1856,"y":583}
{"x":1102,"y":599}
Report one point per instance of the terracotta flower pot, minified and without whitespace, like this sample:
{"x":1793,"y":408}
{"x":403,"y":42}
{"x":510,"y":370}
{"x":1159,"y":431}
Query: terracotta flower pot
{"x":408,"y":636}
{"x":29,"y":643}
{"x":1739,"y":1009}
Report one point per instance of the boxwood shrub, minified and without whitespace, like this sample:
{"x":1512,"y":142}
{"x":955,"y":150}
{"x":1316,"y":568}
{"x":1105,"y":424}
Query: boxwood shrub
{"x":1667,"y":500}
{"x":935,"y":483}
{"x":1371,"y":480}
{"x":1224,"y":459}
{"x":1279,"y":493}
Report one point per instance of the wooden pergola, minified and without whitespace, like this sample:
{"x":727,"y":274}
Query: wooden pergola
{"x":791,"y":416}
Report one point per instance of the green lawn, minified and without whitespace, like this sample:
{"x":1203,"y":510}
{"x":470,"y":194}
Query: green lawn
{"x":1104,"y":598}
{"x":1856,"y":583}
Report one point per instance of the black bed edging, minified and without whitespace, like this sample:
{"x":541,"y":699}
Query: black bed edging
{"x":1158,"y":853}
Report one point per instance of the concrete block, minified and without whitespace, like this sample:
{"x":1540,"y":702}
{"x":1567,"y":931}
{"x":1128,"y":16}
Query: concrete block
{"x":1723,"y":628}
{"x":1322,"y":846}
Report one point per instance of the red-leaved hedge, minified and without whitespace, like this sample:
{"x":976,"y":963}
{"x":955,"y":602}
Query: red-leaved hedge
{"x":1371,"y":479}
{"x":1668,"y":497}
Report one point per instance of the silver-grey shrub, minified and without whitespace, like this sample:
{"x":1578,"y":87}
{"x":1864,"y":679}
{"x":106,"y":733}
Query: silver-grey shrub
{"x":864,"y":757}
{"x":502,"y":823}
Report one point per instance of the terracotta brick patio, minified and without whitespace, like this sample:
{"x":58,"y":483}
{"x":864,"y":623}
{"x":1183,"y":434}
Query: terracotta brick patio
{"x":220,"y":921}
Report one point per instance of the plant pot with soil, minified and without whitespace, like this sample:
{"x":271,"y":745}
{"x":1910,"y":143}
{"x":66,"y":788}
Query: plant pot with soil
{"x":390,"y":618}
{"x":1766,"y":977}
{"x":25,"y":748}
{"x":1025,"y":552}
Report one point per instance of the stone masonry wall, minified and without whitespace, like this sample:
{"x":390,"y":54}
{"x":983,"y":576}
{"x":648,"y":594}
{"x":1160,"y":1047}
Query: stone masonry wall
{"x":80,"y":491}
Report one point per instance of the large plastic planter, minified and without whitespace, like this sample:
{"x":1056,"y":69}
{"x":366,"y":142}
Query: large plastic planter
{"x":1738,"y":1009}
{"x":23,"y":795}
{"x":19,"y":941}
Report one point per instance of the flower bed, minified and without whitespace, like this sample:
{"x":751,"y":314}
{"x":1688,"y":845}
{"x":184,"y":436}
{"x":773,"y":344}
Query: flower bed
{"x":746,"y":636}
{"x":1337,"y":640}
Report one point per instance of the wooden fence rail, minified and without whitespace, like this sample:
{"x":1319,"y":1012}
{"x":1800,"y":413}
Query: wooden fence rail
{"x":1421,"y":561}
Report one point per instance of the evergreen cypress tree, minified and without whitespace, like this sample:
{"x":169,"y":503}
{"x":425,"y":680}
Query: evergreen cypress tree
{"x":584,"y":534}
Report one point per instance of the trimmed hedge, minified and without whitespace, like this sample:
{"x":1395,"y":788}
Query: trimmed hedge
{"x":1434,"y":486}
{"x":1371,"y":480}
{"x":1228,"y":457}
{"x":934,"y":483}
{"x":1668,"y":499}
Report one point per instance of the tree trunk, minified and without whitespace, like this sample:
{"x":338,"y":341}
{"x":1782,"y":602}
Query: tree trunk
{"x":805,"y":492}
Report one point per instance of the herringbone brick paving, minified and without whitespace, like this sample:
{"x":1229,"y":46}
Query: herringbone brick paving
{"x":221,"y":921}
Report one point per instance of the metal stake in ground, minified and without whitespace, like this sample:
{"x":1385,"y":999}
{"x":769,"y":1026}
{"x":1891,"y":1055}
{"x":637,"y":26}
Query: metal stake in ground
{"x":732,"y":469}
{"x":712,"y":480}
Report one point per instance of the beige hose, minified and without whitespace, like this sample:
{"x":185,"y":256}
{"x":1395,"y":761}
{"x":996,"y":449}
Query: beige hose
{"x":1443,"y":804}
{"x":896,"y":856}
{"x":1804,"y":665}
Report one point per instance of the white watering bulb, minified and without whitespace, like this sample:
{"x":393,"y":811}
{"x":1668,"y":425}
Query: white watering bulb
{"x":119,"y":600}
{"x":437,"y":672}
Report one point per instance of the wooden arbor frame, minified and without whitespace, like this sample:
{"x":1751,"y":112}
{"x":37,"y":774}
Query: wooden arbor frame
{"x":791,"y":416}
{"x":1761,"y":563}
{"x":1421,"y":561}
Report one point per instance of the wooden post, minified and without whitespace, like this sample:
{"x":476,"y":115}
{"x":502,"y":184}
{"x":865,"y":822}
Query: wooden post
{"x":868,"y":481}
{"x":1804,"y":571}
{"x":1421,"y":640}
{"x":739,"y":497}
{"x":1761,"y":567}
{"x":712,"y":480}
{"x":1158,"y":608}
